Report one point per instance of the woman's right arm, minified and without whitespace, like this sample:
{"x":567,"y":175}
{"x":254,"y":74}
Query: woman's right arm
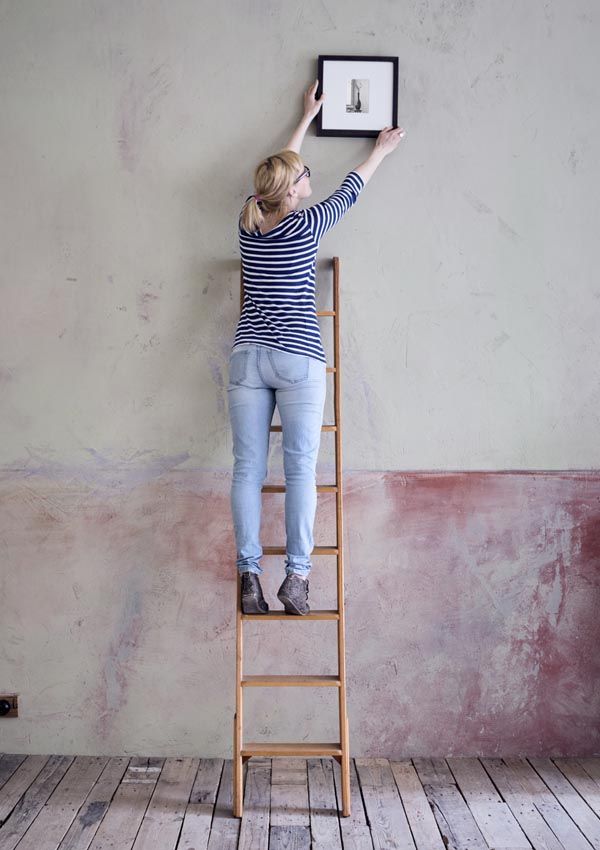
{"x":386,"y":142}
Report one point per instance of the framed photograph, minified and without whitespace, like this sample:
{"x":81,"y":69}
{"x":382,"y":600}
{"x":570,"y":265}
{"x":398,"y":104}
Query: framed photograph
{"x":361,"y":95}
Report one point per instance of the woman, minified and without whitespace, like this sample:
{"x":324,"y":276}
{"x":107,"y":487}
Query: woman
{"x":277,"y":355}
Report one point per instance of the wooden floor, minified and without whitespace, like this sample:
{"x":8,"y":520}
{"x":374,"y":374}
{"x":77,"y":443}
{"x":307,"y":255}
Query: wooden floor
{"x":68,"y":802}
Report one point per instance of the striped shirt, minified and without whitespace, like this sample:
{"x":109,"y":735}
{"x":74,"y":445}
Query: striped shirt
{"x":279,"y":308}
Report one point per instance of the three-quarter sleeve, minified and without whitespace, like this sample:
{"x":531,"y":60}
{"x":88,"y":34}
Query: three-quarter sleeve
{"x":323,"y":216}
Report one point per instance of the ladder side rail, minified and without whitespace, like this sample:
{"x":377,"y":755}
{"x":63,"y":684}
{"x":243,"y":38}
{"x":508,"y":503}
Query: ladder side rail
{"x":238,"y":720}
{"x":341,"y":626}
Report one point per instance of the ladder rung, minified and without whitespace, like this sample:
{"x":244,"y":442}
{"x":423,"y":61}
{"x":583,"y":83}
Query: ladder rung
{"x":323,"y":428}
{"x":280,"y":488}
{"x":322,"y":614}
{"x":318,"y":550}
{"x":331,"y":369}
{"x":287,"y":681}
{"x":301,"y":749}
{"x":325,"y":312}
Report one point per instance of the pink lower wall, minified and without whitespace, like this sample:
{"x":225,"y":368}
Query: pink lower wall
{"x":472,"y":615}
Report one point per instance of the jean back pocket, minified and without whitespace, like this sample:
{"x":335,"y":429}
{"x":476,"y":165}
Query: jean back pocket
{"x":290,"y":368}
{"x":238,"y":365}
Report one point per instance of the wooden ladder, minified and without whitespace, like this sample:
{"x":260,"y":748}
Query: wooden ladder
{"x":339,"y":750}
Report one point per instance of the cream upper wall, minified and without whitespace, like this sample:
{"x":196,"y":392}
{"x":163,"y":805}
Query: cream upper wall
{"x":471,"y":301}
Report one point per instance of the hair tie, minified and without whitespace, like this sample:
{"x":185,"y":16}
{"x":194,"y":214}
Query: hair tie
{"x":257,"y":198}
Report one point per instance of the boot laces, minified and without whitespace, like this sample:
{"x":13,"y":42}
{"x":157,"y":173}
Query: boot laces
{"x":247,"y":581}
{"x":305,"y":584}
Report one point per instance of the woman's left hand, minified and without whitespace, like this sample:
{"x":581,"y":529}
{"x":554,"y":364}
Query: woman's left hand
{"x":312,"y":106}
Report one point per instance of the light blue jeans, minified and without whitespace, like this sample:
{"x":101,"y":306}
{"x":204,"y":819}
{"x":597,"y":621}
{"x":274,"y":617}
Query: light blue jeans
{"x":259,"y":378}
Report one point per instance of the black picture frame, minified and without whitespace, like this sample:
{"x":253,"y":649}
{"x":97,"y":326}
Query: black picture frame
{"x":340,"y":80}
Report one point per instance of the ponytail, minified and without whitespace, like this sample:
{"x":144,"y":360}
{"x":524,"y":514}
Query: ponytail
{"x":273,"y":178}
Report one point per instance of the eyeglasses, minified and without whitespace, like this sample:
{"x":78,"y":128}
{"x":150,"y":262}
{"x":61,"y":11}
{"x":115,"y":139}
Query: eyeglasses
{"x":305,"y":172}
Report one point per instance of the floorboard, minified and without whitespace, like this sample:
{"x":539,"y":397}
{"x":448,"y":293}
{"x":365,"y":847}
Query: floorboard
{"x":56,"y":802}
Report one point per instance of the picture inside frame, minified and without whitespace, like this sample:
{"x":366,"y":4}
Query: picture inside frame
{"x":357,"y":99}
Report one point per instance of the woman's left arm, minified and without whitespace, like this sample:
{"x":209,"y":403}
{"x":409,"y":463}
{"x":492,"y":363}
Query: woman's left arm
{"x":311,"y":107}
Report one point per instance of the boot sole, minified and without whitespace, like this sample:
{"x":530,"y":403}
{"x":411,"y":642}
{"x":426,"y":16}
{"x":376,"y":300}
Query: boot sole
{"x":289,"y":606}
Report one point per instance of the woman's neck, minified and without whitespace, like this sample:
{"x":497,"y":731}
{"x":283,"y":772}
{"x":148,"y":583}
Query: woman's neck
{"x":271,"y":220}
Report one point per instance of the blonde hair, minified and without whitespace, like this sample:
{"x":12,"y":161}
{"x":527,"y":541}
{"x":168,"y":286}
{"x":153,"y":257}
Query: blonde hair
{"x":273,"y":178}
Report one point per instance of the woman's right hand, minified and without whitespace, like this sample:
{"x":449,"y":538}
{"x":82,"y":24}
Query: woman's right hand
{"x":312,"y":106}
{"x":389,"y":139}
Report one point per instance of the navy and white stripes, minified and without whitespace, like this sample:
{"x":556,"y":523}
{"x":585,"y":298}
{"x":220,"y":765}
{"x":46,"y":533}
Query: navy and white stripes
{"x":279,"y":275}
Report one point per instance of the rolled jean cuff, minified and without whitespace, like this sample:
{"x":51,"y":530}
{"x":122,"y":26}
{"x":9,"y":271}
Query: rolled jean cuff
{"x":299,"y":564}
{"x":249,"y":565}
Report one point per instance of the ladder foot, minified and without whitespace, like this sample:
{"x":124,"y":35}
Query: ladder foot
{"x":238,"y":772}
{"x":238,"y":803}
